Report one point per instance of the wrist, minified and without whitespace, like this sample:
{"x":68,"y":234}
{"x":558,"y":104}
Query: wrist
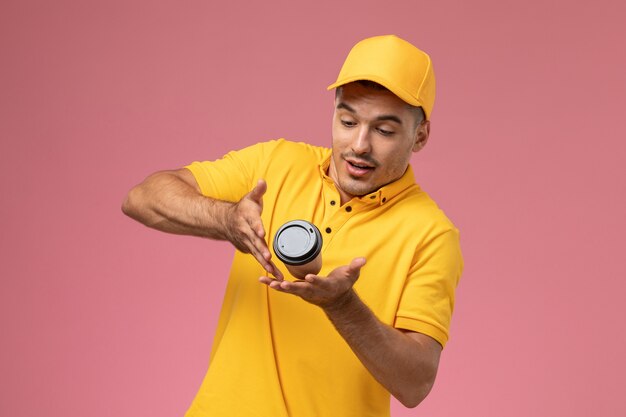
{"x":223,"y":219}
{"x":214,"y":218}
{"x":342,"y":304}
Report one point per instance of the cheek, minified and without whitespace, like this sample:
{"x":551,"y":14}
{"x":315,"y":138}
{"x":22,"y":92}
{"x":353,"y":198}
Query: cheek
{"x":340,"y":138}
{"x":335,"y":134}
{"x":396,"y":160}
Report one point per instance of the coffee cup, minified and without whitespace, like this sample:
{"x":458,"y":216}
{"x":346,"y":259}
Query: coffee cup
{"x":298,"y":245}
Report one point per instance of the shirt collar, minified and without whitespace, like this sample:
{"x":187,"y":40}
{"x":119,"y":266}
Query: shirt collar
{"x":381,"y":196}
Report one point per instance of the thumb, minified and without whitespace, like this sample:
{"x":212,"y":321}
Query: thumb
{"x":257,"y":192}
{"x":355,"y":266}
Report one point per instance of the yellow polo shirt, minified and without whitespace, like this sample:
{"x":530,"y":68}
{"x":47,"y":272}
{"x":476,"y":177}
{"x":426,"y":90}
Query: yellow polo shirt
{"x":274,"y":354}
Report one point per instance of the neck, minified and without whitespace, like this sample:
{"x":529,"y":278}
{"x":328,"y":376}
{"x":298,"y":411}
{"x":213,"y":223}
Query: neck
{"x":332,"y":173}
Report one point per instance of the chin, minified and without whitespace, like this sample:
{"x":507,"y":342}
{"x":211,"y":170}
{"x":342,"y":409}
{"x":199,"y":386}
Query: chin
{"x":357,"y":188}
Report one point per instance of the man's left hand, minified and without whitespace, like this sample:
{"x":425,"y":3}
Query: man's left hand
{"x":326,"y":292}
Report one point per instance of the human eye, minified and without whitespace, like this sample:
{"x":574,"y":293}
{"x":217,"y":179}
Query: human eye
{"x":348,"y":123}
{"x":385,"y":132}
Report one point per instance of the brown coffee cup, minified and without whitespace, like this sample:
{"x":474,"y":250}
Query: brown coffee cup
{"x":298,"y":244}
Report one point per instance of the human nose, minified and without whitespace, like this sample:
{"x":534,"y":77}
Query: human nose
{"x":361,"y":143}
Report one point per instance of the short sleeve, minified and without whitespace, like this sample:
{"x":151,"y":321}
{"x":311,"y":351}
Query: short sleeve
{"x":234,"y":175}
{"x":427,"y":301}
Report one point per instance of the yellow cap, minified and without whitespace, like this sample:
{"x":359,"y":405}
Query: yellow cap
{"x":395,"y":64}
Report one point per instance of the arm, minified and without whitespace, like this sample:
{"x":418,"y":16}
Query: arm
{"x":171,"y":201}
{"x":404,"y":362}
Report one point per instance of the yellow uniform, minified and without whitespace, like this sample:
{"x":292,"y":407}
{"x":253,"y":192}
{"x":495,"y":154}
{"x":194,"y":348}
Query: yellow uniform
{"x":275,"y":355}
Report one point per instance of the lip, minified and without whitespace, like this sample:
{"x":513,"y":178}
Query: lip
{"x":356,"y":171}
{"x":358,"y":162}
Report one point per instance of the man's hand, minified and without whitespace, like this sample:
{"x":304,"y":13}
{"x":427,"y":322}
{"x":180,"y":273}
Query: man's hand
{"x":327,"y":292}
{"x":404,"y":362}
{"x":244,"y":228}
{"x":171,"y":201}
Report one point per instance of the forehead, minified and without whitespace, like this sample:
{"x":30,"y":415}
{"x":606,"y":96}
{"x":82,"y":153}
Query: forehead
{"x":366,"y":100}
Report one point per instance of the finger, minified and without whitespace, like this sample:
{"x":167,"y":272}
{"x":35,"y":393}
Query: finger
{"x":264,"y":264}
{"x":301,"y":288}
{"x":259,"y":246}
{"x":272,"y":269}
{"x":257,"y":192}
{"x":267,"y":280}
{"x":253,"y":219}
{"x":271,"y":283}
{"x":355,"y":266}
{"x":330,"y":284}
{"x":317,"y":281}
{"x":258,"y":255}
{"x":277,"y":272}
{"x":257,"y":227}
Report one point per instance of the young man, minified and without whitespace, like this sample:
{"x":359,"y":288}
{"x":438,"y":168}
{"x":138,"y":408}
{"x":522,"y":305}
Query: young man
{"x":375,"y":318}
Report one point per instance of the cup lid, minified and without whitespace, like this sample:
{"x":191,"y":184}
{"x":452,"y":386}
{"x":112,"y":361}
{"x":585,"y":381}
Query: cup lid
{"x":297,"y":242}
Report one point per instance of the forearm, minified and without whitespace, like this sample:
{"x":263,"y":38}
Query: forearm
{"x":402,"y":364}
{"x":166,"y":201}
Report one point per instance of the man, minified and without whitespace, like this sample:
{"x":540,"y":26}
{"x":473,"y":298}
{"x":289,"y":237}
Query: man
{"x":375,"y":319}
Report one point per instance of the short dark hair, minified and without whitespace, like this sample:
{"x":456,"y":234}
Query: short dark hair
{"x":420,"y":116}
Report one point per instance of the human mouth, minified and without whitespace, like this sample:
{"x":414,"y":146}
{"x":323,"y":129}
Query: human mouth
{"x":358,"y":168}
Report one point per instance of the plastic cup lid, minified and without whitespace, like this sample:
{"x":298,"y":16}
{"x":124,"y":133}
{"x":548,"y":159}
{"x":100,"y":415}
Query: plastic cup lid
{"x":297,"y":242}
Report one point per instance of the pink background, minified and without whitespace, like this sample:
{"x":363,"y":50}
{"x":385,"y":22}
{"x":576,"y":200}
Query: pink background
{"x":100,"y":316}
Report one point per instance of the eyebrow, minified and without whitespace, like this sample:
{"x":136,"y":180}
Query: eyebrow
{"x":382,"y":117}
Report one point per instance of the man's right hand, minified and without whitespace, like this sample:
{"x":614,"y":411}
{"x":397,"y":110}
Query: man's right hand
{"x":171,"y":201}
{"x":244,"y":228}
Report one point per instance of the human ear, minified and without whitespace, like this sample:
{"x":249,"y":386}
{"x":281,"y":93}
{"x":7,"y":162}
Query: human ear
{"x":421,"y":135}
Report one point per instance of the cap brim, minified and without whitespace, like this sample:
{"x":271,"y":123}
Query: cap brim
{"x":403,"y":95}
